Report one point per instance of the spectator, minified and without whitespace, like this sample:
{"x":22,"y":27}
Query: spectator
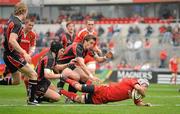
{"x":163,"y":57}
{"x":149,"y":31}
{"x":147,"y":46}
{"x":100,"y":31}
{"x":167,"y":37}
{"x":130,"y":32}
{"x":176,"y":36}
{"x":162,"y":30}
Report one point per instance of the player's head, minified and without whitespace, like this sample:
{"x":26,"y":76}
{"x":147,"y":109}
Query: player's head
{"x":89,"y":41}
{"x":90,"y":25}
{"x":21,"y":9}
{"x":143,"y":82}
{"x":55,"y":46}
{"x":29,"y":23}
{"x":70,"y":27}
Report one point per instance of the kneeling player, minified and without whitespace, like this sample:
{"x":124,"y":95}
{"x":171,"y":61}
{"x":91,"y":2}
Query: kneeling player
{"x":45,"y":69}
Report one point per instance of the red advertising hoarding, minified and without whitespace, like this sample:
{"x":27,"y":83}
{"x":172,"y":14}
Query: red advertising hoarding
{"x":149,"y":1}
{"x":9,"y":2}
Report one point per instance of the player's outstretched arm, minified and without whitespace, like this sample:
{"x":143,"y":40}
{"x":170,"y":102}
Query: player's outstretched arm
{"x":140,"y":89}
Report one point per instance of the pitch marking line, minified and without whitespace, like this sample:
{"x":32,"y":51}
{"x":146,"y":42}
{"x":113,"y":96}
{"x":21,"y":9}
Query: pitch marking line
{"x":84,"y":105}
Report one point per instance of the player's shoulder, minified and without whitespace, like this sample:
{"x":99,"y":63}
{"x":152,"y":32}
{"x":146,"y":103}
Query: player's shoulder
{"x":32,"y":32}
{"x":83,"y":31}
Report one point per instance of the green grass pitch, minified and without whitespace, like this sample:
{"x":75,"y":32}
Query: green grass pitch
{"x":164,"y":98}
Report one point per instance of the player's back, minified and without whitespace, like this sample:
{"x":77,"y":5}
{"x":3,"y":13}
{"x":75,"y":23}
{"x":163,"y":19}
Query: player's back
{"x":80,"y":36}
{"x":46,"y":62}
{"x":117,"y":91}
{"x":14,"y":25}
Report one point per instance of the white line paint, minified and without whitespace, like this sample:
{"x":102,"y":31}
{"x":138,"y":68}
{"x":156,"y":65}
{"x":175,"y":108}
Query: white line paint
{"x":163,"y":96}
{"x":85,"y":105}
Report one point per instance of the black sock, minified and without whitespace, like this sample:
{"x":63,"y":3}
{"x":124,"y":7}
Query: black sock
{"x":87,"y":88}
{"x":6,"y":81}
{"x":72,"y":89}
{"x":6,"y":72}
{"x":32,"y":90}
{"x":60,"y":84}
{"x":81,"y":82}
{"x":40,"y":99}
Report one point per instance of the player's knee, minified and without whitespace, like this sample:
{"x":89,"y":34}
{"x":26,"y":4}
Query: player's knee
{"x":78,"y":99}
{"x":56,"y":98}
{"x":75,"y":77}
{"x":16,"y":82}
{"x":33,"y":75}
{"x":78,"y":87}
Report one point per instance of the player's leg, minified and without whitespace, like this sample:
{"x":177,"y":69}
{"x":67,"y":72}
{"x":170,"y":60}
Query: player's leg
{"x":73,"y":96}
{"x":52,"y":95}
{"x":175,"y":77}
{"x":32,"y":75}
{"x":91,"y":66}
{"x":70,"y":74}
{"x":80,"y":87}
{"x":9,"y":80}
{"x":83,"y":76}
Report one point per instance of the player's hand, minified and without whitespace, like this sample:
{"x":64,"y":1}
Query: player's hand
{"x":148,"y":104}
{"x":109,"y":55}
{"x":96,"y":79}
{"x":74,"y":62}
{"x":27,"y":57}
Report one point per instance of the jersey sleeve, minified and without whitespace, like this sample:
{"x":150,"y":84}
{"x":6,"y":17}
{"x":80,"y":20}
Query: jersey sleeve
{"x":48,"y":62}
{"x":63,"y":40}
{"x":133,"y":82}
{"x":16,"y":28}
{"x":33,"y":40}
{"x":79,"y":51}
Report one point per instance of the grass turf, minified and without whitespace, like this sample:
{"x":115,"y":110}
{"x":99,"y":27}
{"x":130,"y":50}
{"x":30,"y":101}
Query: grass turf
{"x":165,"y":100}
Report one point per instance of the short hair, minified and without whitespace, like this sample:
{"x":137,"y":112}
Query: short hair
{"x":20,"y":8}
{"x":90,"y":37}
{"x":55,"y":46}
{"x":29,"y":20}
{"x":89,"y":20}
{"x":68,"y":23}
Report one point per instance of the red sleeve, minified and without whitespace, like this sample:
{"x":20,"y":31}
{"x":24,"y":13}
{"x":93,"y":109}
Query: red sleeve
{"x":64,"y":40}
{"x":78,"y":38}
{"x":133,"y":82}
{"x":33,"y":39}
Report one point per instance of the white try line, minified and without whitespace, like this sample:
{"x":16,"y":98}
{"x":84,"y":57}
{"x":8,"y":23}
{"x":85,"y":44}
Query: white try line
{"x":176,"y":96}
{"x":84,"y":105}
{"x":162,"y":89}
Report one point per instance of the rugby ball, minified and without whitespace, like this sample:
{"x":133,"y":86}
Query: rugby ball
{"x":135,"y":95}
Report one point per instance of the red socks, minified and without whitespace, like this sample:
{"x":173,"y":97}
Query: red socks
{"x":70,"y":95}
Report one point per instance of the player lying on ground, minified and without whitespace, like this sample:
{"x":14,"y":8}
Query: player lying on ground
{"x":100,"y":94}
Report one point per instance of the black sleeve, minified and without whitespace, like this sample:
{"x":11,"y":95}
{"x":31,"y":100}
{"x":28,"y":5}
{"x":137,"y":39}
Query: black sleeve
{"x":16,"y":28}
{"x":50,"y":63}
{"x":79,"y":51}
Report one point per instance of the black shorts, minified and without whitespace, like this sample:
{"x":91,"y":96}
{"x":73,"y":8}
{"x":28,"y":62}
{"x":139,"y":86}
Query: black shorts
{"x":14,"y":61}
{"x":42,"y":87}
{"x":88,"y":98}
